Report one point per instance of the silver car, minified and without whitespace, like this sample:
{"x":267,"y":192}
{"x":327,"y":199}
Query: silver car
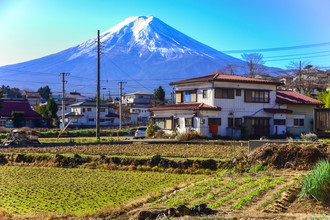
{"x":140,"y":132}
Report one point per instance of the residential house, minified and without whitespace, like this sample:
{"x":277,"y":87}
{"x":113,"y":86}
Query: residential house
{"x":71,"y":98}
{"x":234,"y":106}
{"x":84,"y":114}
{"x":33,"y":98}
{"x":18,"y":113}
{"x":139,"y":104}
{"x":300,"y":116}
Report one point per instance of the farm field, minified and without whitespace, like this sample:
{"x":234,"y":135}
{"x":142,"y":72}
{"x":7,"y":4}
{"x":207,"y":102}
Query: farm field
{"x":212,"y":150}
{"x":33,"y":185}
{"x":31,"y":190}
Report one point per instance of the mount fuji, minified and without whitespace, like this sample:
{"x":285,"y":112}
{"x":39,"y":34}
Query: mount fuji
{"x":142,"y":51}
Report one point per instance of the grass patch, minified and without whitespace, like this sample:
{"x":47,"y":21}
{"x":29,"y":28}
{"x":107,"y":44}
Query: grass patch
{"x":316,"y":184}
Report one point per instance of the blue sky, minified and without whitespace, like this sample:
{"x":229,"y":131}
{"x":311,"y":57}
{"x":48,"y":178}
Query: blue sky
{"x":289,"y":30}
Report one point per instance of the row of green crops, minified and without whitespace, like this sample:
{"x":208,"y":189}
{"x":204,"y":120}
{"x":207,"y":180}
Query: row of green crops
{"x":217,"y":192}
{"x":30,"y":190}
{"x":86,"y":133}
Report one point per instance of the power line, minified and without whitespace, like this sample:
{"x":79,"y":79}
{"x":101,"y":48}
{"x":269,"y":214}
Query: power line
{"x":299,"y":54}
{"x":300,"y":58}
{"x":278,"y":48}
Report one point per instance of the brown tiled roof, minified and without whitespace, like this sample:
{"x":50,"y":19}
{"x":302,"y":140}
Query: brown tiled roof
{"x":217,"y":76}
{"x":186,"y":106}
{"x":291,"y":97}
{"x":10,"y":106}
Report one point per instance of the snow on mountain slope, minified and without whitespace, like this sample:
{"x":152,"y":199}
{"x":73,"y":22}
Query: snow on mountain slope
{"x":142,"y":51}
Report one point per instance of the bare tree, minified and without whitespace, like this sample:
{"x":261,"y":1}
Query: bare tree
{"x":255,"y":63}
{"x":229,"y":69}
{"x":306,"y":77}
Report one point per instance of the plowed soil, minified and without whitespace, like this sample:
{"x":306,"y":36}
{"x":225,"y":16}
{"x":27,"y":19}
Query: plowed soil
{"x":286,"y":160}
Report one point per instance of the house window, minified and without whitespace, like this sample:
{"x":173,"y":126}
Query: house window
{"x":91,"y":119}
{"x":189,"y":96}
{"x":3,"y":123}
{"x":224,"y":93}
{"x":238,"y":122}
{"x":257,"y":96}
{"x":102,"y":109}
{"x":186,"y":96}
{"x":279,"y":121}
{"x":160,"y":122}
{"x":89,"y":109}
{"x":188,"y":122}
{"x":204,"y":93}
{"x":238,"y":92}
{"x":83,"y":110}
{"x":168,"y":123}
{"x":214,"y":121}
{"x":299,"y":122}
{"x":163,"y":123}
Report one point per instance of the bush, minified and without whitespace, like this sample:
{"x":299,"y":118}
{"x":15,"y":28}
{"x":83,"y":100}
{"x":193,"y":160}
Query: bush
{"x":160,"y":134}
{"x":309,"y":137}
{"x":192,"y":135}
{"x":317,"y":183}
{"x":151,"y":130}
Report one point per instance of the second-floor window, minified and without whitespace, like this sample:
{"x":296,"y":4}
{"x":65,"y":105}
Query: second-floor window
{"x":204,"y":93}
{"x":224,"y":93}
{"x":257,"y":96}
{"x":186,"y":96}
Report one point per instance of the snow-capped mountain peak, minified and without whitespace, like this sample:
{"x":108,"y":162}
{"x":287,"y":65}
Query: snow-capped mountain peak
{"x":138,"y":48}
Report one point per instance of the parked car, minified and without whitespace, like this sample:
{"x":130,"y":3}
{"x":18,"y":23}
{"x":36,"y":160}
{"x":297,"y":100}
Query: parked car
{"x":140,"y":132}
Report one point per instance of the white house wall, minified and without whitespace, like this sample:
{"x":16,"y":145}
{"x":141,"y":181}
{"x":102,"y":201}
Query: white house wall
{"x":300,"y":112}
{"x":89,"y":117}
{"x":236,"y":107}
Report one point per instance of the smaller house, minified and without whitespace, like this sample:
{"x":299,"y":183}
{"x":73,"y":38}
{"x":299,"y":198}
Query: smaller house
{"x":300,"y":116}
{"x":18,"y":113}
{"x":84,"y":114}
{"x":71,"y":98}
{"x":33,"y":98}
{"x":139,"y":103}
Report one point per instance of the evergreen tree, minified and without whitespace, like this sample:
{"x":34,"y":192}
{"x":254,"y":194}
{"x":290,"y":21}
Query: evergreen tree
{"x":44,"y":92}
{"x":159,"y":96}
{"x":8,"y":92}
{"x":48,"y":111}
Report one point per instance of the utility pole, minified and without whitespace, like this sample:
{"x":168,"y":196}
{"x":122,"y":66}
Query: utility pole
{"x":300,"y":85}
{"x":98,"y":88}
{"x":63,"y":95}
{"x":120,"y":102}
